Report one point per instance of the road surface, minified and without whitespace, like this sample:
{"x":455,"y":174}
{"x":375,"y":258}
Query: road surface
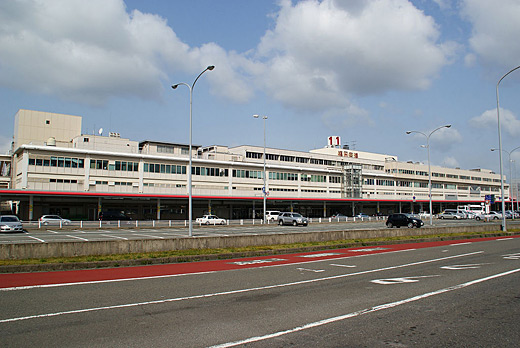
{"x":458,"y":293}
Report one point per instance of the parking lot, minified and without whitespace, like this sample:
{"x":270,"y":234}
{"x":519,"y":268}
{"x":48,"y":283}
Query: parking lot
{"x":140,"y":230}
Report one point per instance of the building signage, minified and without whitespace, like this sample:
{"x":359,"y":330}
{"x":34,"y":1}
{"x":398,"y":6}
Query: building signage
{"x":343,"y":153}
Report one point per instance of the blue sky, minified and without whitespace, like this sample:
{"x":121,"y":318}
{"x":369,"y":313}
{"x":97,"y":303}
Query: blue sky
{"x":367,"y":71}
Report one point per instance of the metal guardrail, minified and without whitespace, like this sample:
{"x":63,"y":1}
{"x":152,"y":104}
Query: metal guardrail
{"x":178,"y":223}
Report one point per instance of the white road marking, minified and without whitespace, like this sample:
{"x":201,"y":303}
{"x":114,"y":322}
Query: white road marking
{"x":470,"y":266}
{"x":147,"y":235}
{"x":254,"y":262}
{"x":311,"y":270}
{"x":456,"y":244}
{"x":368,"y":249}
{"x":346,"y":266}
{"x":128,"y":305}
{"x":38,"y":239}
{"x":107,"y":235}
{"x":512,"y":256}
{"x":68,"y":235}
{"x":363,"y":311}
{"x":320,"y":255}
{"x":206,"y":272}
{"x":391,"y":281}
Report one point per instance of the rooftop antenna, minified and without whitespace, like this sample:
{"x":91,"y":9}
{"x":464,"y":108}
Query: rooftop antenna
{"x":100,"y":131}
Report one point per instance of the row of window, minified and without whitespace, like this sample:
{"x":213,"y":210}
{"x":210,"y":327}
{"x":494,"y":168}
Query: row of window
{"x":65,"y":162}
{"x":400,"y":183}
{"x":313,"y":178}
{"x":64,"y":181}
{"x":252,"y":174}
{"x":285,"y":158}
{"x":164,"y":168}
{"x":440,"y":175}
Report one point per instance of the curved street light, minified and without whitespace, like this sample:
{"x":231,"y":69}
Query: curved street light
{"x":510,"y":177}
{"x":429,"y":168}
{"x":504,"y":229}
{"x":264,"y":190}
{"x":190,"y":204}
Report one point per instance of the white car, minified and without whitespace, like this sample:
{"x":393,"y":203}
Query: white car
{"x":54,"y":220}
{"x":210,"y":220}
{"x":10,"y":223}
{"x":272,"y":215}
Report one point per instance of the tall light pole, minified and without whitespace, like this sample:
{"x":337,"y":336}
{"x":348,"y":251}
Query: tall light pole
{"x":429,"y":167}
{"x":510,"y":179}
{"x":190,"y":204}
{"x":504,"y":229}
{"x":264,"y":190}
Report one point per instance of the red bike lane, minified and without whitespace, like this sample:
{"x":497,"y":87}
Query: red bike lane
{"x":36,"y":279}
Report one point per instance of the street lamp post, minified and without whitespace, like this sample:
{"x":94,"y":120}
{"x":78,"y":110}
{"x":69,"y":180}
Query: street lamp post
{"x":190,"y":204}
{"x":510,"y":180}
{"x":504,"y":229}
{"x":429,"y":167}
{"x":264,"y":190}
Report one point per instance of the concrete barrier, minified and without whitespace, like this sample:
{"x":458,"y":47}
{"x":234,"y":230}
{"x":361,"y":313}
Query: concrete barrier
{"x":69,"y":249}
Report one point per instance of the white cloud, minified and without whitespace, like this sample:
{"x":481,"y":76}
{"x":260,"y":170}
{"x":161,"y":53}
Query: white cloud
{"x":508,"y":121}
{"x":450,"y":162}
{"x":87,"y":51}
{"x":319,"y":53}
{"x":495,"y":30}
{"x":440,"y":140}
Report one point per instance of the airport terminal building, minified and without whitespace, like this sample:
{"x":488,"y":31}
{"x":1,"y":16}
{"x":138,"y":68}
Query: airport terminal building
{"x":55,"y":169}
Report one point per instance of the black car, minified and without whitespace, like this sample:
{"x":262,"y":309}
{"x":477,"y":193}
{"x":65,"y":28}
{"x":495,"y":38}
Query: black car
{"x":113,"y":216}
{"x":408,"y":220}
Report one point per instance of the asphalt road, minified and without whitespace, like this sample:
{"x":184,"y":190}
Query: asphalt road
{"x":50,"y":234}
{"x":437,"y":294}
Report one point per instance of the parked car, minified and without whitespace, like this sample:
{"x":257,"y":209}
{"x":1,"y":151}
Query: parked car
{"x":400,"y":219}
{"x":492,"y":215}
{"x":53,"y":220}
{"x":339,"y":216}
{"x":10,"y":223}
{"x":272,"y":215}
{"x":362,"y":215}
{"x":495,"y":215}
{"x":294,"y":219}
{"x":210,"y":220}
{"x":113,"y":216}
{"x":450,"y":215}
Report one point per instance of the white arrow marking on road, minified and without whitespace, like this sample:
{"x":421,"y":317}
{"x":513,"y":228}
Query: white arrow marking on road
{"x":471,"y":266}
{"x":512,"y":256}
{"x":311,"y":270}
{"x":390,"y":281}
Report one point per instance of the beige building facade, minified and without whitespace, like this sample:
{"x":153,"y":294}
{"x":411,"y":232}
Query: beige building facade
{"x":56,"y":169}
